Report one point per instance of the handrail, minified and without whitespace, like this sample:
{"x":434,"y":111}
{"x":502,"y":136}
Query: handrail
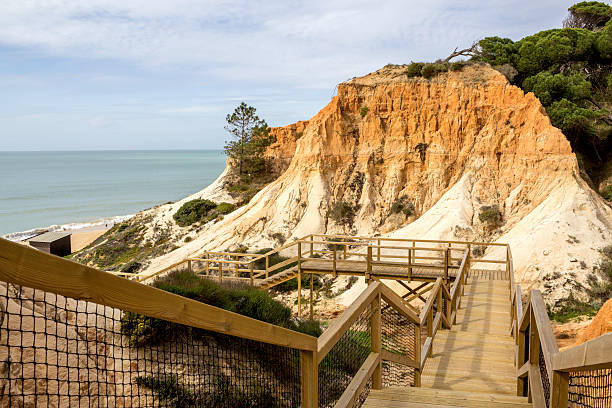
{"x":533,"y":335}
{"x":29,"y":267}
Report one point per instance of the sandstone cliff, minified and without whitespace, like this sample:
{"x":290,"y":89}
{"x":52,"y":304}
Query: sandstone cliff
{"x":446,"y":147}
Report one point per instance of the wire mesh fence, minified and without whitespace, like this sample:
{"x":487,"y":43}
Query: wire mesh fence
{"x":544,"y":377}
{"x":592,"y":389}
{"x":344,"y":360}
{"x":58,"y":351}
{"x":398,"y":336}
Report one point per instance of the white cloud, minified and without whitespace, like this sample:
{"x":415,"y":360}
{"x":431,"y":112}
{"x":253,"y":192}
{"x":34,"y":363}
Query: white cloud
{"x":314,"y":43}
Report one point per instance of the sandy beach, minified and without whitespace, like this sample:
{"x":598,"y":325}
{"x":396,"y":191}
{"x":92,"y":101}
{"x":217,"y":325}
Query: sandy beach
{"x":80,"y":239}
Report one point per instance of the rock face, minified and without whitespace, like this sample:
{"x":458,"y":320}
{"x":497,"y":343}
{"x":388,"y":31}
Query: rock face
{"x":451,"y":147}
{"x":601,"y":324}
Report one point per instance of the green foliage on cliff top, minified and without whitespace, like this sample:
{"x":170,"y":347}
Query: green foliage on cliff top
{"x":570,"y":70}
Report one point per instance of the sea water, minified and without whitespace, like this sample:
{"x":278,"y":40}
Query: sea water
{"x":87,"y":188}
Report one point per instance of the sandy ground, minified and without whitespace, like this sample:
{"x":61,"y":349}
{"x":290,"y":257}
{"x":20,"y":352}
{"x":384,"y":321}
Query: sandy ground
{"x":79,"y":240}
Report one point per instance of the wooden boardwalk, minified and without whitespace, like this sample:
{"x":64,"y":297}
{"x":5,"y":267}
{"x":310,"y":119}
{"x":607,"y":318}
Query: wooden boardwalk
{"x":472,"y":365}
{"x":389,"y":270}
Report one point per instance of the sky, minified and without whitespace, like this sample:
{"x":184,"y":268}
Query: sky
{"x":163,"y":74}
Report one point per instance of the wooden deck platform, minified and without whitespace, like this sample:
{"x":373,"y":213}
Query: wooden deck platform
{"x":421,"y":272}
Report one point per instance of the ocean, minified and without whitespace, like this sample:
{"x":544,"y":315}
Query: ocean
{"x":82,"y":189}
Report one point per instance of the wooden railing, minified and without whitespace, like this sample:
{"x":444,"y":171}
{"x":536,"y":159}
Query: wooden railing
{"x":369,"y":252}
{"x":544,"y":373}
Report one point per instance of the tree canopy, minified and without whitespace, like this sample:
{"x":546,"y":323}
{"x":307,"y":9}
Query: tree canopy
{"x":251,"y":137}
{"x":569,"y":69}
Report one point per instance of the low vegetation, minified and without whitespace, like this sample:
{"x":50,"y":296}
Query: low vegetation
{"x":490,"y":214}
{"x":242,"y":299}
{"x":342,"y":213}
{"x":402,"y":205}
{"x":599,"y":291}
{"x":431,"y":69}
{"x":364,"y":111}
{"x":201,"y":210}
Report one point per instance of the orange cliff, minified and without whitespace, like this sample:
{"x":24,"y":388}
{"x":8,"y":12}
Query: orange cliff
{"x":448,"y":146}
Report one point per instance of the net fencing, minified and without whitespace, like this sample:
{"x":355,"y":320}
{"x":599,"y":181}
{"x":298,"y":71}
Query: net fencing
{"x":398,"y":336}
{"x":544,"y":377}
{"x":58,"y":351}
{"x":344,"y":360}
{"x":592,"y":389}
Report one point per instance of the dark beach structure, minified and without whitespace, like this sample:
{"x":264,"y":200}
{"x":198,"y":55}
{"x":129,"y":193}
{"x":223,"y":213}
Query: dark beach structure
{"x":56,"y":243}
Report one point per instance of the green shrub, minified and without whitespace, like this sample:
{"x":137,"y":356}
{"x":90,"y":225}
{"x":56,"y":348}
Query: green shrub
{"x":193,"y":211}
{"x":225,"y":208}
{"x":402,"y":205}
{"x":364,"y":111}
{"x":238,"y":298}
{"x":607,"y":192}
{"x":414,"y":69}
{"x":490,"y":214}
{"x":188,"y":239}
{"x":342,"y":213}
{"x":458,"y":65}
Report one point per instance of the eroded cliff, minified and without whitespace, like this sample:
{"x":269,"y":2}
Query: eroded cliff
{"x":426,"y":158}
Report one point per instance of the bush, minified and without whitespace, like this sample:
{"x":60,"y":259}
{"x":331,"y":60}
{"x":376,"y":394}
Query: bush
{"x":342,"y":213}
{"x":242,"y":299}
{"x":402,"y":205}
{"x":193,"y":211}
{"x":188,"y":239}
{"x":225,"y":208}
{"x":490,"y":214}
{"x":364,"y":111}
{"x":414,"y":69}
{"x":607,"y":192}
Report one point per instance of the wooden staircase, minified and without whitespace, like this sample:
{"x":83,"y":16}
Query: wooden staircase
{"x":278,"y":278}
{"x":472,"y":365}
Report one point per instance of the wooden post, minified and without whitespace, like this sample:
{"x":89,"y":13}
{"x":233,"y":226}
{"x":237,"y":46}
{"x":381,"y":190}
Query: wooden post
{"x":299,"y":265}
{"x":378,"y":251}
{"x":430,"y":320}
{"x":440,"y":299}
{"x":446,"y":265}
{"x":559,"y":389}
{"x":311,"y":297}
{"x":311,"y":246}
{"x":417,"y":354}
{"x":189,"y":266}
{"x":220,"y":271}
{"x":309,"y":379}
{"x":207,"y":257}
{"x":345,"y":251}
{"x":368,"y":271}
{"x":251,"y":266}
{"x":267,"y":265}
{"x":410,"y":264}
{"x":334,"y":262}
{"x":413,"y":260}
{"x":237,"y":266}
{"x":376,"y":342}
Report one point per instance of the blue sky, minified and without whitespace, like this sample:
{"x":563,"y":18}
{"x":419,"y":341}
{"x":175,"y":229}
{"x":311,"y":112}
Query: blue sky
{"x":153,"y":74}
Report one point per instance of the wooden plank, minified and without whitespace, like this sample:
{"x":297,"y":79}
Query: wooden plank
{"x":25,"y":266}
{"x":592,"y":355}
{"x":425,"y":352}
{"x":309,"y":378}
{"x":398,"y":304}
{"x":545,"y":334}
{"x":386,"y":355}
{"x":283,"y":263}
{"x":340,"y":325}
{"x":535,"y":387}
{"x":430,"y":301}
{"x":353,"y":390}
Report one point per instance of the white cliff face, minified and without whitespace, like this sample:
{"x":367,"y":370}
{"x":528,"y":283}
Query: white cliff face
{"x":448,"y":146}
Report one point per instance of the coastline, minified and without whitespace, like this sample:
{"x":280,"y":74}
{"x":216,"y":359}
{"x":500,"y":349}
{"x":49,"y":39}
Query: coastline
{"x":82,"y":234}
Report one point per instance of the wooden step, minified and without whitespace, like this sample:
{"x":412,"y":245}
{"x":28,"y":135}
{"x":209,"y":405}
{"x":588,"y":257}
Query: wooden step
{"x":456,"y":345}
{"x":474,"y":337}
{"x":441,"y":362}
{"x":483,"y":311}
{"x":427,"y":397}
{"x":483,"y":328}
{"x":467,"y":303}
{"x":474,"y":385}
{"x":503,"y":372}
{"x":493,"y":300}
{"x":492,"y":355}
